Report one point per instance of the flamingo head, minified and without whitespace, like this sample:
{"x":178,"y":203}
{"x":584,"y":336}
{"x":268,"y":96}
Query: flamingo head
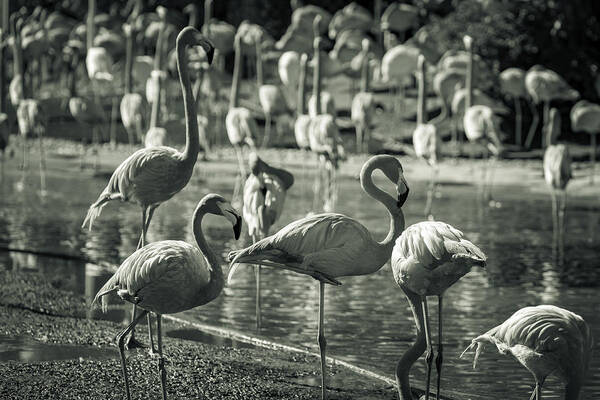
{"x":217,"y":205}
{"x":392,"y":169}
{"x":190,"y":36}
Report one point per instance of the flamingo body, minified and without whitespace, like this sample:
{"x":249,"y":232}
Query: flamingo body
{"x":545,"y":85}
{"x":31,"y":118}
{"x":301,"y":131}
{"x":288,"y":67}
{"x":132,"y":113}
{"x":557,"y":166}
{"x":327,"y":105}
{"x":431,"y":256}
{"x":324,"y":138}
{"x":272,"y":100}
{"x":427,"y":143}
{"x":86,"y":111}
{"x":480,"y":125}
{"x":545,"y":339}
{"x":98,"y":63}
{"x":164,"y":277}
{"x":585,"y":116}
{"x":399,"y":62}
{"x":241,"y":126}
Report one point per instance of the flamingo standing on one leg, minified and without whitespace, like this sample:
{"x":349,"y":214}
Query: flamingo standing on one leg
{"x":585,"y":116}
{"x":153,"y":175}
{"x":545,"y":339}
{"x":557,"y":173}
{"x":170,"y":276}
{"x":328,"y":246}
{"x":428,"y":258}
{"x":425,"y":138}
{"x":264,"y":196}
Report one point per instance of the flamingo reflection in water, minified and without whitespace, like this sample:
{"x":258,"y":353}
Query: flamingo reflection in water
{"x":328,"y":246}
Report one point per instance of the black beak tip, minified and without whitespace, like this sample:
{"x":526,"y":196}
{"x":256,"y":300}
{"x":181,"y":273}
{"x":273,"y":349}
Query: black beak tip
{"x":402,"y":198}
{"x":237,"y":228}
{"x":210,"y":54}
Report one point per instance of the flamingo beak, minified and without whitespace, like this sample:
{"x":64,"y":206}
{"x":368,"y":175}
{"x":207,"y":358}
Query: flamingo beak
{"x":402,"y":192}
{"x":237,"y":227}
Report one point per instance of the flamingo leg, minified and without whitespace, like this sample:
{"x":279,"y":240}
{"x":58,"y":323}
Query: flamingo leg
{"x":152,"y":351}
{"x":439,"y":358}
{"x":42,"y":166}
{"x":561,"y":226}
{"x":554,"y":223}
{"x":161,"y":361}
{"x":430,"y":193}
{"x":257,"y":275}
{"x":545,"y":121}
{"x":429,"y":355}
{"x":321,"y":337}
{"x":533,"y":127}
{"x":267,"y":135}
{"x":538,"y":391}
{"x":121,"y":344}
{"x":518,"y":121}
{"x":132,"y":343}
{"x":359,"y":138}
{"x":593,"y":156}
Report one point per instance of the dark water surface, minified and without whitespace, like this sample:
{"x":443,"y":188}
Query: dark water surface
{"x":368,"y":321}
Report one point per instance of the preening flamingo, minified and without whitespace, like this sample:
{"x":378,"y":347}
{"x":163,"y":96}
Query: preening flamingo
{"x":585,"y":116}
{"x":557,"y":173}
{"x":328,"y":246}
{"x":426,"y":140}
{"x":170,"y":276}
{"x":512,"y":84}
{"x":132,"y":104}
{"x":482,"y":126}
{"x":363,"y":105}
{"x":239,"y":122}
{"x":428,"y":258}
{"x":153,"y":175}
{"x":545,"y":339}
{"x":264,"y":196}
{"x":543,"y":86}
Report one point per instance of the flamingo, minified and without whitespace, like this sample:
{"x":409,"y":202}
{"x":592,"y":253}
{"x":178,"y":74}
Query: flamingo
{"x":363,"y":104}
{"x":557,"y":173}
{"x":170,"y":276}
{"x":399,"y":63}
{"x":220,"y":33}
{"x":241,"y":126}
{"x":271,"y":98}
{"x":264,"y":196}
{"x":398,"y":18}
{"x":481,"y":126}
{"x":328,"y":246}
{"x":300,"y":33}
{"x":352,"y":16}
{"x":426,"y":140}
{"x":324,"y":138}
{"x":157,"y":136}
{"x":427,"y":259}
{"x":98,"y":61}
{"x":545,"y":339}
{"x":445,"y":83}
{"x":543,"y":86}
{"x":153,"y":175}
{"x":325,"y":104}
{"x":512,"y":84}
{"x":302,"y":119}
{"x":585,"y":116}
{"x":132,"y":104}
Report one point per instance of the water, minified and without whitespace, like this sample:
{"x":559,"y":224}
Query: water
{"x":24,"y":349}
{"x":368,"y":321}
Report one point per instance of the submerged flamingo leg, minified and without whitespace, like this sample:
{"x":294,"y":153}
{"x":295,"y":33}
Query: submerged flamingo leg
{"x":429,"y":355}
{"x":121,"y":345}
{"x":321,"y":337}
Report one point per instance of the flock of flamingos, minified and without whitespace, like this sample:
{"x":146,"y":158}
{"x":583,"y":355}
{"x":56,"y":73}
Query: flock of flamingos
{"x":170,"y":276}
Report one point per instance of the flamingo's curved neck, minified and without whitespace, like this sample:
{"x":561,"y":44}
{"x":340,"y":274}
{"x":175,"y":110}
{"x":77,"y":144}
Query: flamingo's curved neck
{"x":301,"y":86}
{"x":396,"y":214}
{"x":317,"y":80}
{"x":364,"y":81}
{"x":217,"y":282}
{"x":18,"y":58}
{"x":469,"y":79}
{"x":235,"y":83}
{"x":259,"y":64}
{"x":192,"y":140}
{"x":421,"y":101}
{"x":207,"y":12}
{"x":415,"y":351}
{"x":90,"y":24}
{"x":129,"y":63}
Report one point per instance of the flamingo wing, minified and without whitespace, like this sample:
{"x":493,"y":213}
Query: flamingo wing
{"x":326,"y":244}
{"x":164,"y":277}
